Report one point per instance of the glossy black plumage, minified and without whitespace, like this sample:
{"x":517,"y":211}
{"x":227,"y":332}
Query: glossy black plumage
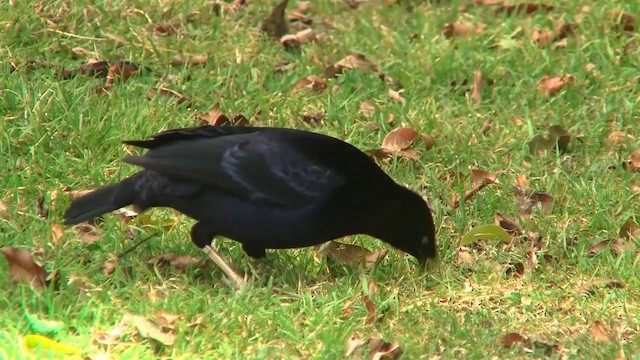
{"x":267,"y":188}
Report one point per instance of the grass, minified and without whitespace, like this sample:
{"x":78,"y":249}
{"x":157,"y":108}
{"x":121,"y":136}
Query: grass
{"x":55,"y":134}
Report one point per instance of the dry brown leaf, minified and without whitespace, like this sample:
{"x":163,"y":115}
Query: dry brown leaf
{"x":314,"y":118}
{"x":509,"y":225}
{"x":462,"y":29}
{"x":180,"y":262}
{"x":599,"y":332}
{"x":551,"y":85}
{"x":120,"y":71}
{"x":4,"y":211}
{"x":166,"y":319}
{"x":354,"y":344}
{"x":56,"y":232}
{"x":181,"y":60}
{"x":618,"y":138}
{"x":633,"y":163}
{"x":354,"y":61}
{"x":399,"y":139}
{"x":311,"y":83}
{"x":526,"y":8}
{"x":110,"y":337}
{"x":465,"y":256}
{"x":589,"y":287}
{"x":353,"y":254}
{"x":623,"y":21}
{"x":529,"y":199}
{"x":629,"y":229}
{"x":428,"y":141}
{"x":488,"y":2}
{"x":511,"y":339}
{"x":109,"y":266}
{"x":23,"y":269}
{"x":215,"y":117}
{"x":395,"y":95}
{"x":480,"y":179}
{"x":371,"y":311}
{"x":299,"y":38}
{"x":546,"y":37}
{"x":477,"y":87}
{"x":87,"y":232}
{"x":367,"y":109}
{"x":522,"y":180}
{"x":276,"y":25}
{"x":382,"y":350}
{"x":148,"y":329}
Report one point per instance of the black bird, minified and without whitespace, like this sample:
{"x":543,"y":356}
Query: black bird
{"x":267,"y":188}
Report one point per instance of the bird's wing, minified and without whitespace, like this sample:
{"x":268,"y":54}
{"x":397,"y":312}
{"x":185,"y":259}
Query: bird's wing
{"x":250,"y":166}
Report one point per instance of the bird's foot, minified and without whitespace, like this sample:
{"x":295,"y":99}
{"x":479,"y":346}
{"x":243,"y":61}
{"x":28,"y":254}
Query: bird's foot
{"x":238,"y":281}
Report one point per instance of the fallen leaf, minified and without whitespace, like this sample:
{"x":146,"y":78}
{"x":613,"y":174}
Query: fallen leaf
{"x":197,"y":322}
{"x":180,"y":262}
{"x":551,"y":85}
{"x":367,"y":109}
{"x":633,"y":163}
{"x":110,"y":337}
{"x":284,"y":67}
{"x":95,"y":68}
{"x":181,"y":60}
{"x":311,"y":83}
{"x":462,"y":29}
{"x":382,"y":350}
{"x":465,"y":256}
{"x":522,"y":180}
{"x":120,"y":71}
{"x":166,"y":319}
{"x":477,"y":87}
{"x":314,"y":118}
{"x":618,"y":138}
{"x":87,"y":232}
{"x":629,"y":229}
{"x":352,"y":254}
{"x":483,"y":232}
{"x":509,"y":225}
{"x":354,"y":344}
{"x":546,"y":37}
{"x":399,"y":139}
{"x":529,"y":199}
{"x":624,"y":21}
{"x":511,"y":339}
{"x":371,"y":311}
{"x":56,"y":232}
{"x":589,"y":288}
{"x":526,"y":8}
{"x":109,"y":266}
{"x":428,"y":141}
{"x":395,"y":95}
{"x":515,"y":269}
{"x":276,"y":25}
{"x":350,"y":62}
{"x":299,"y":38}
{"x":599,"y":332}
{"x":480,"y":180}
{"x":215,"y":117}
{"x":148,"y":329}
{"x":558,"y":138}
{"x":42,"y":210}
{"x":23,"y":269}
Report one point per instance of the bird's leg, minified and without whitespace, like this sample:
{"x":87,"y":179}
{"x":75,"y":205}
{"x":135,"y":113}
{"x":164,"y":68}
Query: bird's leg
{"x":238,"y":280}
{"x":202,"y":236}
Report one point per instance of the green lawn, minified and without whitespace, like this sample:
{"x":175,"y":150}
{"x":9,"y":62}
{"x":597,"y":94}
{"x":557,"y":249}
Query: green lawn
{"x":58,"y":133}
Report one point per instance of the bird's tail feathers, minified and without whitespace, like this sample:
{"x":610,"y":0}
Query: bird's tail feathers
{"x":101,"y":201}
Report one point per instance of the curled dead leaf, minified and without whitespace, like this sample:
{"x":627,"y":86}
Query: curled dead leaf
{"x":480,"y":180}
{"x":382,"y":350}
{"x":511,"y":339}
{"x":367,"y":109}
{"x":352,"y":254}
{"x":395,"y":95}
{"x":354,"y":344}
{"x":180,"y":262}
{"x":589,"y":287}
{"x":462,"y":29}
{"x":428,"y":141}
{"x":371,"y":311}
{"x":311,"y":83}
{"x":23,"y":269}
{"x":623,"y":21}
{"x":599,"y":332}
{"x":526,"y":8}
{"x":476,"y":87}
{"x":529,"y":199}
{"x":551,"y":85}
{"x":299,"y":38}
{"x":508,"y":224}
{"x":399,"y":139}
{"x":166,"y":319}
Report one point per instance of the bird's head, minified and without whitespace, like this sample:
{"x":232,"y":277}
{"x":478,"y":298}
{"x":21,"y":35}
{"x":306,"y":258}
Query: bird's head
{"x":406,"y":224}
